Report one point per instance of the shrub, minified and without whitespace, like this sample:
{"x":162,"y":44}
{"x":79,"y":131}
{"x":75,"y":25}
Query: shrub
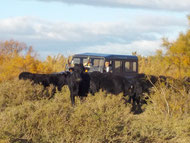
{"x":16,"y":92}
{"x":99,"y":118}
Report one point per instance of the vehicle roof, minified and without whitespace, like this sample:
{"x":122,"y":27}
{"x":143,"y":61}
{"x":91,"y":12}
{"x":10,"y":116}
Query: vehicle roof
{"x":107,"y":56}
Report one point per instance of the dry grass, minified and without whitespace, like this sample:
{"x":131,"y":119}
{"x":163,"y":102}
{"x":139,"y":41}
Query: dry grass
{"x":26,"y":116}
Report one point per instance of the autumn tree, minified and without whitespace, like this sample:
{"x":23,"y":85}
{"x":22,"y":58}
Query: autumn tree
{"x":178,"y":54}
{"x":56,"y":63}
{"x":16,"y":57}
{"x":154,"y":64}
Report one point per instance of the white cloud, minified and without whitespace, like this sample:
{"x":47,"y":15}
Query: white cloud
{"x":175,"y":5}
{"x":143,"y":47}
{"x":139,"y":28}
{"x":139,"y":34}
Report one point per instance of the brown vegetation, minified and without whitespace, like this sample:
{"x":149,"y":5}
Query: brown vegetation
{"x":26,"y":115}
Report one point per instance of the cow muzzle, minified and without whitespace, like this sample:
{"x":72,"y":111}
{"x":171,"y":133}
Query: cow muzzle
{"x":78,"y":79}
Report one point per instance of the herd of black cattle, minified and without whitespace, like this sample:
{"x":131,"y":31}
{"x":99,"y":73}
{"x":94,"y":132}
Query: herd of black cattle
{"x":81,"y":83}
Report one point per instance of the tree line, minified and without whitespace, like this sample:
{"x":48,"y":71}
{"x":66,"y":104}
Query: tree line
{"x":16,"y":57}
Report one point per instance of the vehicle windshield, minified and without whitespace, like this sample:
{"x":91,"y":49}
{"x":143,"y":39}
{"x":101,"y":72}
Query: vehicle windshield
{"x":76,"y":61}
{"x":95,"y":64}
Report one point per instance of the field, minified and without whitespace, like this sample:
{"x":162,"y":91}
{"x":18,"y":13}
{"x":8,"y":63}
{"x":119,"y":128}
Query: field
{"x":26,"y":115}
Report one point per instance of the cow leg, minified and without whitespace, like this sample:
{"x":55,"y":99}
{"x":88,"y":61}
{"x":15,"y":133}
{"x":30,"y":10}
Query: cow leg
{"x":130,"y":99}
{"x":59,"y":88}
{"x":44,"y":91}
{"x":136,"y":105}
{"x":72,"y":95}
{"x":82,"y":99}
{"x":52,"y":93}
{"x":133,"y":104}
{"x":72,"y":99}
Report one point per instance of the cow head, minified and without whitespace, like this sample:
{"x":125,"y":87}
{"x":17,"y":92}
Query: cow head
{"x":77,"y":72}
{"x":129,"y":89}
{"x":25,"y":75}
{"x":79,"y":68}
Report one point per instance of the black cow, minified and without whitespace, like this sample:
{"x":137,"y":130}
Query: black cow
{"x":95,"y":80}
{"x":74,"y":81}
{"x":81,"y":83}
{"x":144,"y":83}
{"x":57,"y":80}
{"x":110,"y":83}
{"x":115,"y":84}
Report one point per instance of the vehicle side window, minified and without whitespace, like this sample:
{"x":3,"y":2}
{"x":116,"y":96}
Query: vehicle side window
{"x":134,"y":66}
{"x":85,"y":61}
{"x":96,"y":62}
{"x":101,"y":63}
{"x":127,"y":66}
{"x":118,"y":66}
{"x":130,"y":66}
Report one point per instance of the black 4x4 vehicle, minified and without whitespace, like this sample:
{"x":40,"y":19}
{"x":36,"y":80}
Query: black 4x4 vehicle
{"x":126,"y":65}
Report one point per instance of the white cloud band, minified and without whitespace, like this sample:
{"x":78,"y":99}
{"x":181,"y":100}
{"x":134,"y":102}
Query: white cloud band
{"x":139,"y":35}
{"x":175,"y":5}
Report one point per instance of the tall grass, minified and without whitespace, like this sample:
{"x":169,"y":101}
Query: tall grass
{"x":26,"y":115}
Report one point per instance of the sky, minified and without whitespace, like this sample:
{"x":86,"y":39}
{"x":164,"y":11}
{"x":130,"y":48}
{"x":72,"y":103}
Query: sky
{"x":69,"y":27}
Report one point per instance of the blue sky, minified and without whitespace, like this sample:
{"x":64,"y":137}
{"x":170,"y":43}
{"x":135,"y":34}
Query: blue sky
{"x":104,"y":26}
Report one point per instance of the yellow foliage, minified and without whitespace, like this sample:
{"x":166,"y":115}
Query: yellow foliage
{"x":57,"y":63}
{"x":175,"y":62}
{"x":16,"y":57}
